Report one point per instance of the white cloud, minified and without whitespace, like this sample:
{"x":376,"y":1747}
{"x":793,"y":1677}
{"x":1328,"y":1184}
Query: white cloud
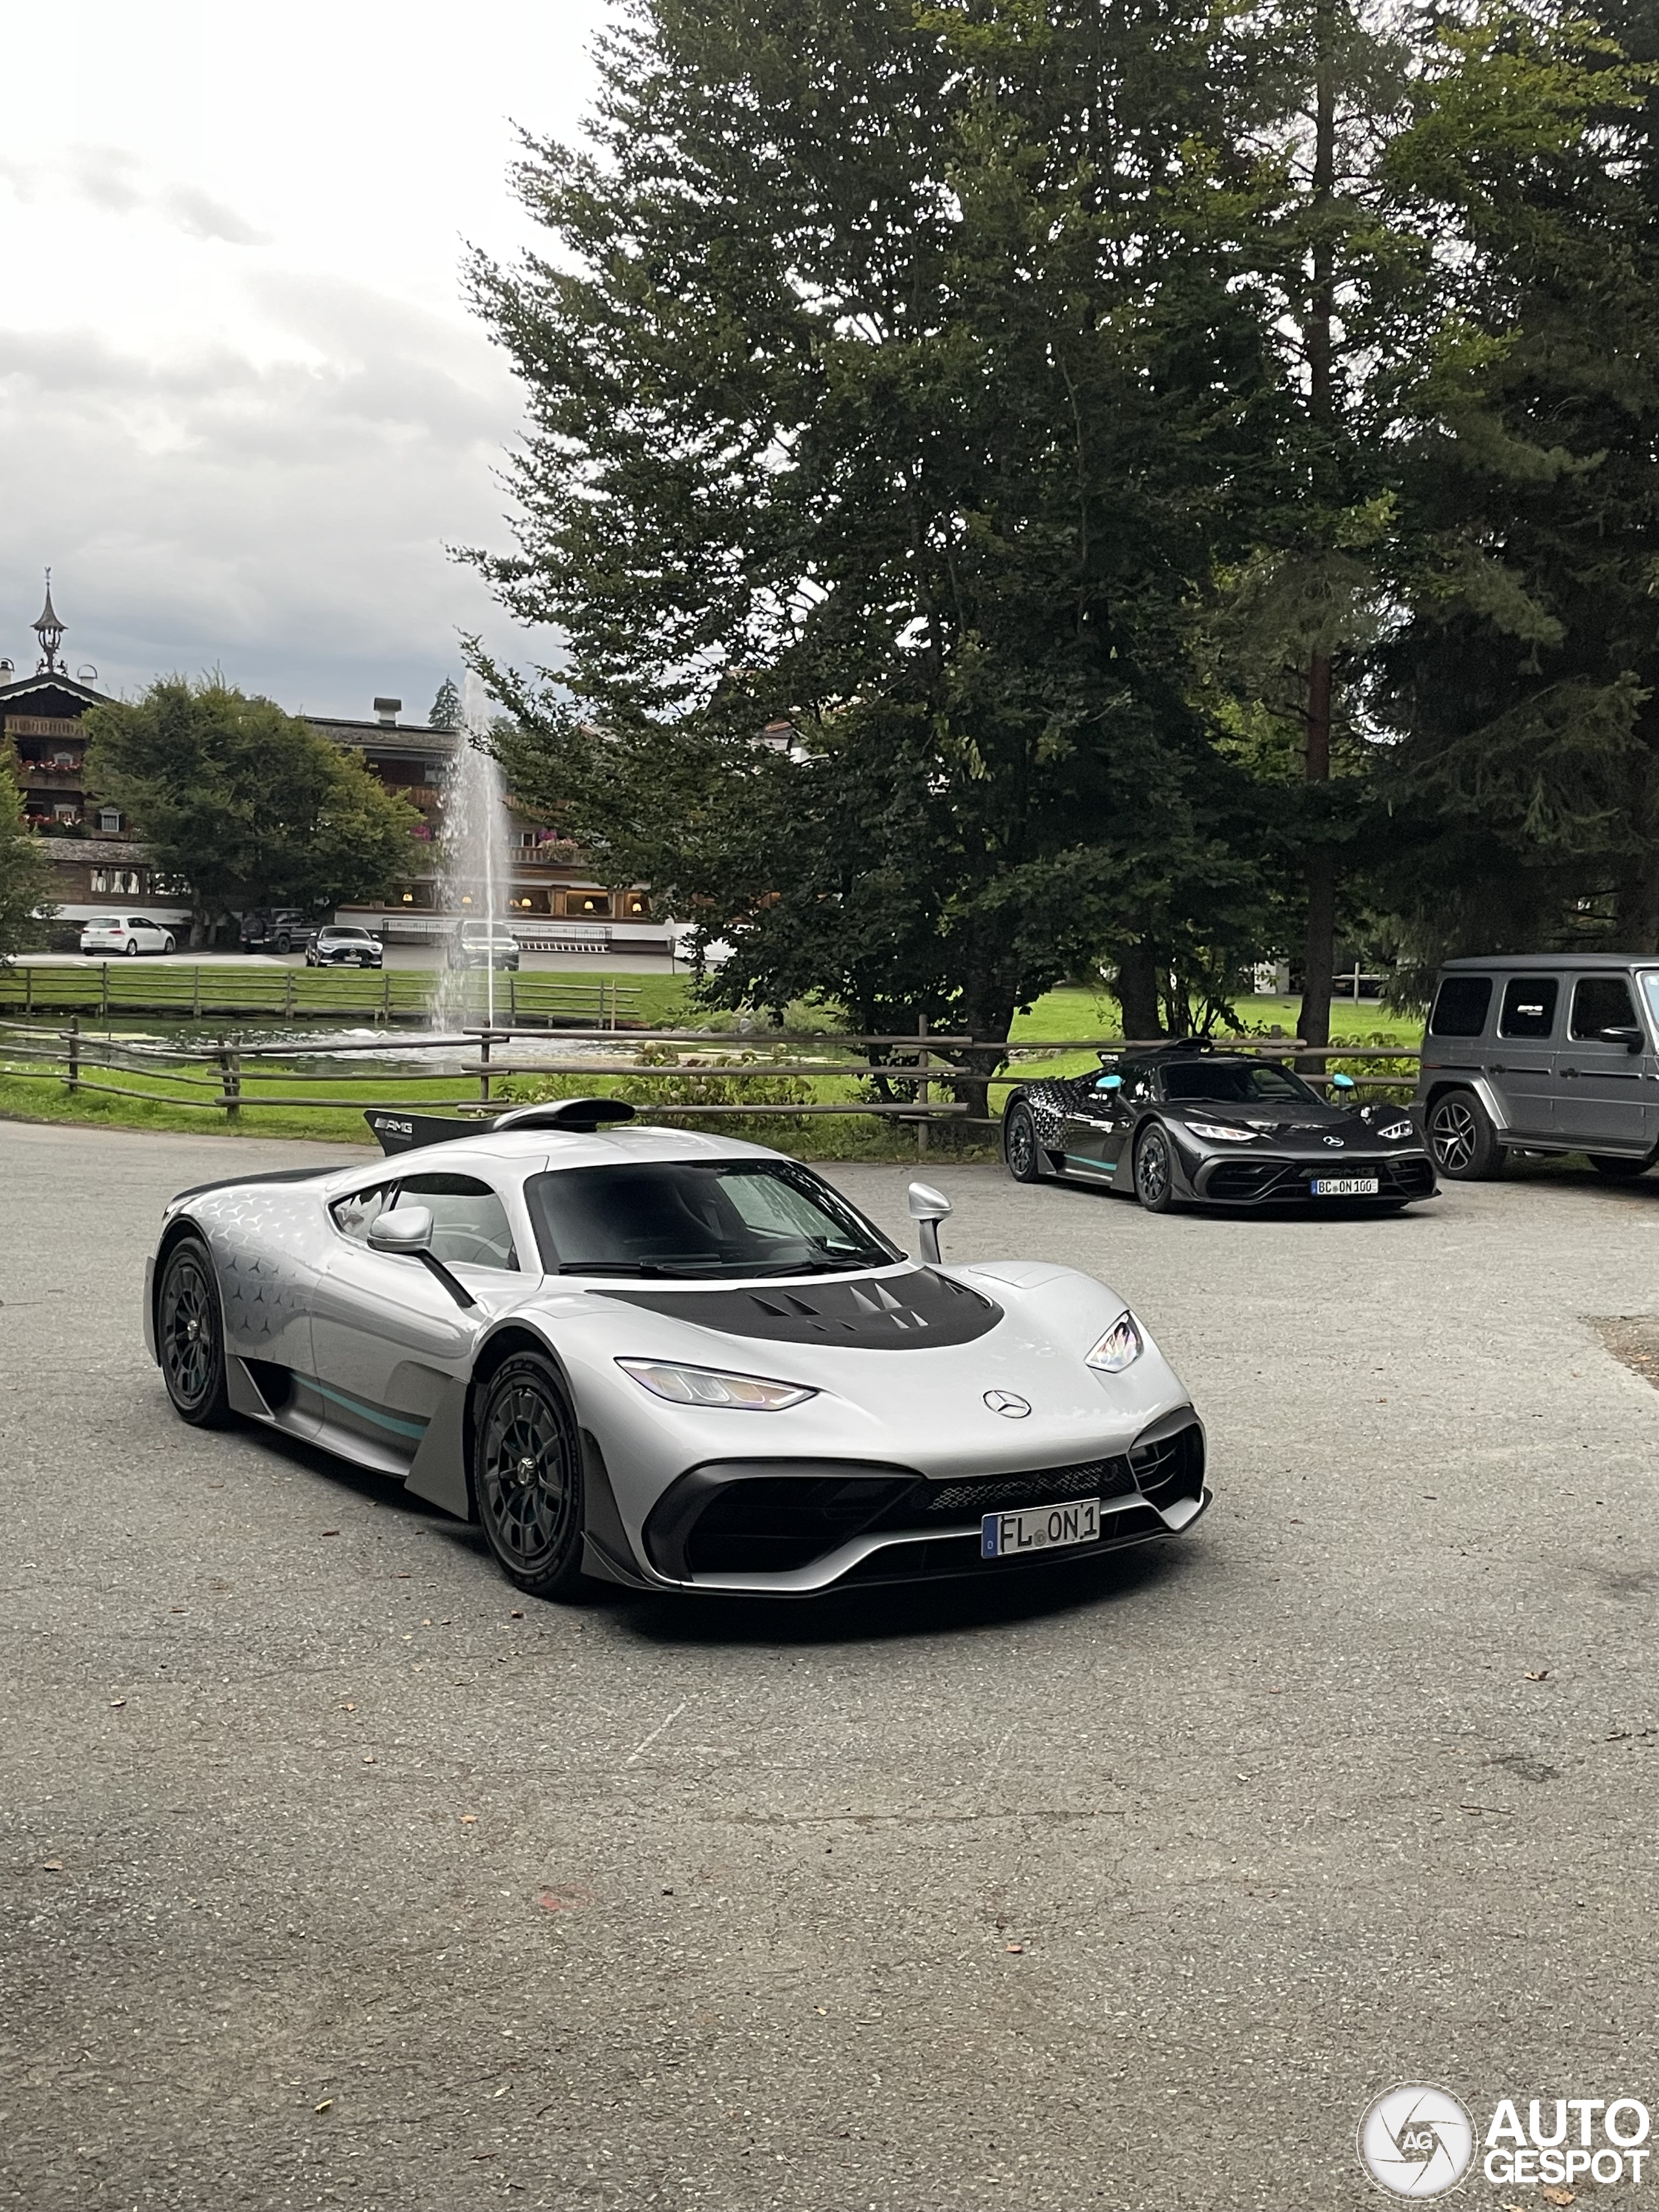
{"x":242,"y":407}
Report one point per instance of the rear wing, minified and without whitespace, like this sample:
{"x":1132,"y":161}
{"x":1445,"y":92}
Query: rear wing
{"x":398,"y":1132}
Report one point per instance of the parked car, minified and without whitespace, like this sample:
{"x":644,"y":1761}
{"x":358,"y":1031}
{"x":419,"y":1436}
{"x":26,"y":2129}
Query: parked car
{"x":128,"y":934}
{"x":1184,"y":1122}
{"x":482,"y":945}
{"x":279,"y":931}
{"x":336,"y":947}
{"x":1549,"y":1052}
{"x":671,"y":1361}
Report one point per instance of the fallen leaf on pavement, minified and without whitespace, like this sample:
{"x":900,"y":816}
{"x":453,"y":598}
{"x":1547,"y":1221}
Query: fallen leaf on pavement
{"x":469,"y":1819}
{"x":1543,"y":1675}
{"x":1013,"y":1947}
{"x":52,"y":1866}
{"x":515,"y":1615}
{"x":369,"y":1759}
{"x":327,"y":2105}
{"x":1557,"y":2196}
{"x":330,"y":1532}
{"x":116,"y":1704}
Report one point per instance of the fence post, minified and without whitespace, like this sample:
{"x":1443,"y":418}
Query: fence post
{"x":288,"y":993}
{"x":196,"y":992}
{"x":924,"y":1090}
{"x":104,"y":1004}
{"x":29,"y":988}
{"x":484,"y":1068}
{"x":230,"y":1073}
{"x":74,"y":1040}
{"x":385,"y":989}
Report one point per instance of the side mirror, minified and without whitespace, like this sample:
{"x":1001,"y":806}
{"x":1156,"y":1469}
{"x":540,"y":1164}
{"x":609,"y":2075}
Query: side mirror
{"x":406,"y":1229}
{"x":1630,"y":1038}
{"x":928,"y":1207}
{"x":1342,"y":1083}
{"x":1109,"y":1083}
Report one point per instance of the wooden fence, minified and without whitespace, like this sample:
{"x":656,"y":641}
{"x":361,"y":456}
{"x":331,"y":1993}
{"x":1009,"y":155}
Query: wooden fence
{"x":212,"y":989}
{"x":234,"y":1077}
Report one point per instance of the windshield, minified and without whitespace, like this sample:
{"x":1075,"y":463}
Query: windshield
{"x":697,"y":1217}
{"x":1241,"y":1083}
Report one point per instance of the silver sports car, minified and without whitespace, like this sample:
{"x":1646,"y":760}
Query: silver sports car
{"x":669,"y":1360}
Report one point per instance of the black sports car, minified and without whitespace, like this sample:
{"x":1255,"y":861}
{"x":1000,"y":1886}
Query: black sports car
{"x":1187,"y":1124}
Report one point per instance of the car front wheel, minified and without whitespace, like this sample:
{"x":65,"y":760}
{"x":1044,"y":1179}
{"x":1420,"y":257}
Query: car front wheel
{"x":1462,"y":1139}
{"x":528,"y":1476}
{"x":1020,"y":1148}
{"x":169,"y":945}
{"x":1155,"y":1172}
{"x":190,"y":1336}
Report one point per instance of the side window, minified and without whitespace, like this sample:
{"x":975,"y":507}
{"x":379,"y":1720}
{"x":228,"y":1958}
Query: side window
{"x":1601,"y":1002}
{"x":1528,"y":1007}
{"x":1461,"y":1006}
{"x":469,"y":1227}
{"x":353,"y":1214}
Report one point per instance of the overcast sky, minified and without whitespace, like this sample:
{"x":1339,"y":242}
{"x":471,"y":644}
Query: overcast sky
{"x":242,"y":407}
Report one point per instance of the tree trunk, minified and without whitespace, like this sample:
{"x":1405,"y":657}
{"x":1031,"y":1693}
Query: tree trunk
{"x":1319,"y":951}
{"x":1137,"y":990}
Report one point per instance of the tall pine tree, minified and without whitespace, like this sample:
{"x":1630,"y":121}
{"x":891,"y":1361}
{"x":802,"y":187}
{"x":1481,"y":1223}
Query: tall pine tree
{"x":894,"y":382}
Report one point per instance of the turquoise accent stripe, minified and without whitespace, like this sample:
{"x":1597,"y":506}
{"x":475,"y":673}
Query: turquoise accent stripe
{"x":415,"y":1429}
{"x":1100,"y":1167}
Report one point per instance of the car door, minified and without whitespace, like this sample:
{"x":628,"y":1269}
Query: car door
{"x":1521,"y":1067}
{"x":386,"y":1333}
{"x":1600,"y":1092}
{"x":1089,"y":1141}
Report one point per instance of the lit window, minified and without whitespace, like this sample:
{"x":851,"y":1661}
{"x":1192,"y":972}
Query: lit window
{"x":588,"y":905}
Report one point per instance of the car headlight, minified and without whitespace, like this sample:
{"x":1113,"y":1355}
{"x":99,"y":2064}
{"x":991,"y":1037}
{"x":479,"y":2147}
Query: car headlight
{"x":1120,"y":1347}
{"x":711,"y":1386}
{"x":1397,"y":1129}
{"x":1222,"y":1132}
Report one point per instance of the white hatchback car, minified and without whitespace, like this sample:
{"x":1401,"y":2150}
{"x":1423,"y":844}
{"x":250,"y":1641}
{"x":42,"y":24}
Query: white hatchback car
{"x":126,"y":933}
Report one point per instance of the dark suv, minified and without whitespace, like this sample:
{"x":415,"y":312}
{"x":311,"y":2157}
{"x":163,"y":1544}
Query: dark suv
{"x":1543,"y":1053}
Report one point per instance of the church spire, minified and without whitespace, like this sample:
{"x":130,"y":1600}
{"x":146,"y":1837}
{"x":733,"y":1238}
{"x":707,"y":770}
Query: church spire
{"x":50,"y":631}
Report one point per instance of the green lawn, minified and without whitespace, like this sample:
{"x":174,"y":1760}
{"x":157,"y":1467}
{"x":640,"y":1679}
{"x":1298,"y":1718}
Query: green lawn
{"x":185,"y":1098}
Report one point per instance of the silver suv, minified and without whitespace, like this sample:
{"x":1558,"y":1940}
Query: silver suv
{"x":1545,"y":1052}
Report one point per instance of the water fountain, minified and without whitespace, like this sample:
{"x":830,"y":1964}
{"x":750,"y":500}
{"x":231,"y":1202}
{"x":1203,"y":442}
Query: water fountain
{"x":474,"y":875}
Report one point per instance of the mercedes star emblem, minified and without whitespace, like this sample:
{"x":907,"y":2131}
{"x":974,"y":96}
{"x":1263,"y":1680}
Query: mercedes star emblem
{"x":1006,"y":1402}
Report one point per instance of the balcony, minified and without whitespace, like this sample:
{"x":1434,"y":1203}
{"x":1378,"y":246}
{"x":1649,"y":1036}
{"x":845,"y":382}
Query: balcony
{"x":38,"y":775}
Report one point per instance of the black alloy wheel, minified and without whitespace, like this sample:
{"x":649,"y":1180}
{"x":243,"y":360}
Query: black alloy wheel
{"x":190,"y":1336}
{"x":1155,"y":1172}
{"x":285,"y":945}
{"x":1617,"y":1168}
{"x":1462,"y":1139}
{"x":528,"y":1476}
{"x":1020,"y":1148}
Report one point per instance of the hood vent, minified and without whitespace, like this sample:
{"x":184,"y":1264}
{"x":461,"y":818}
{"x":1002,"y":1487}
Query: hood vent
{"x":916,"y":1310}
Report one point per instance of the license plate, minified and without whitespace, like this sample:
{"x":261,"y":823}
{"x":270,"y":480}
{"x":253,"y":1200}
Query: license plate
{"x":1345,"y":1186}
{"x":1039,"y":1528}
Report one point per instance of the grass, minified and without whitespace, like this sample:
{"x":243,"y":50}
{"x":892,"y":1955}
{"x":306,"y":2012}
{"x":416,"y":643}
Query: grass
{"x":163,"y":1100}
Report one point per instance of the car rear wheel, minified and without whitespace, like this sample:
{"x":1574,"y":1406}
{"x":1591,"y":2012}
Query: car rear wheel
{"x":1462,"y":1139}
{"x":1617,"y":1168}
{"x":130,"y":950}
{"x":285,"y":945}
{"x":190,"y":1336}
{"x":1155,"y":1172}
{"x":1020,"y":1148}
{"x":528,"y":1476}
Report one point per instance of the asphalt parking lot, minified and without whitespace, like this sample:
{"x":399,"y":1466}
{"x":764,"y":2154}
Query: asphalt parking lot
{"x":330,"y":1880}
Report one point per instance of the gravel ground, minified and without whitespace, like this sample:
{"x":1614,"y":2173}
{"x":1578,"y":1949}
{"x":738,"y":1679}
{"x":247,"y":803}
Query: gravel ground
{"x":330,"y":1880}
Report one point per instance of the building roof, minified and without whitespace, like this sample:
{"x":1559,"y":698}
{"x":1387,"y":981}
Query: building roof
{"x":407,"y":737}
{"x":105,"y":852}
{"x":29,"y":694}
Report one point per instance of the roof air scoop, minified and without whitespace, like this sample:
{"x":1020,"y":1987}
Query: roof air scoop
{"x":580,"y":1116}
